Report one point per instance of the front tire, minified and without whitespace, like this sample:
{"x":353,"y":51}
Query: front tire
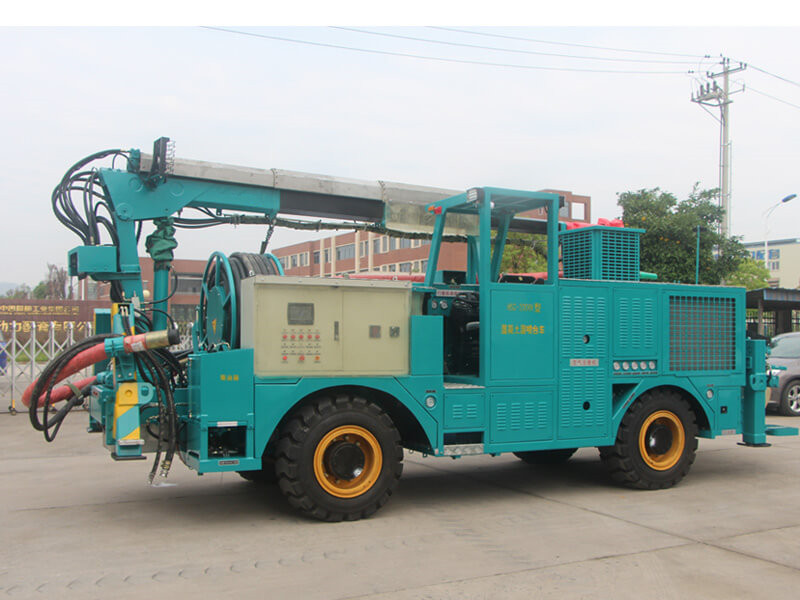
{"x":339,"y":458}
{"x":790,"y":400}
{"x":656,"y":442}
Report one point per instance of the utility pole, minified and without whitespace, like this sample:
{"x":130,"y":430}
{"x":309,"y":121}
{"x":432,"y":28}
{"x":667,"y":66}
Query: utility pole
{"x":711,"y":94}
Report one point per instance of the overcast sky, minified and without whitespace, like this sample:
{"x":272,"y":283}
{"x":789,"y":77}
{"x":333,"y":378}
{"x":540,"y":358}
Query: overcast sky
{"x":267,"y":103}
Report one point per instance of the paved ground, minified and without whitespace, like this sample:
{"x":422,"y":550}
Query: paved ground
{"x":74,"y":524}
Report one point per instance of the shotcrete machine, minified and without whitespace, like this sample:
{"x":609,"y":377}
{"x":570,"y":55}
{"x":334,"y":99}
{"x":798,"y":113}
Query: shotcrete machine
{"x":319,"y":384}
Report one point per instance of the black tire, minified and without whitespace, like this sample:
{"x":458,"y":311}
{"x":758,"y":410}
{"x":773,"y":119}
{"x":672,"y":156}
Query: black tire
{"x":320,"y":449}
{"x":789,"y":405}
{"x":265,"y":475}
{"x":656,"y":442}
{"x":546,"y":457}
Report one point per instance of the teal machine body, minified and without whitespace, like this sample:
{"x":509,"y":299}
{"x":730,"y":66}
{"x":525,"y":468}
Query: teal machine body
{"x":476,"y":362}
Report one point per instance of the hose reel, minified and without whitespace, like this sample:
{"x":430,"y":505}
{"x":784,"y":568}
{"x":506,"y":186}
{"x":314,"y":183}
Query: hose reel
{"x":219,"y":311}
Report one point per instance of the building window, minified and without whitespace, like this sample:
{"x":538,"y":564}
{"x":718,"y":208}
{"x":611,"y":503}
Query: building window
{"x":392,"y":268}
{"x":404,"y":243}
{"x":423,"y":265}
{"x":774,"y":265}
{"x":376,"y":246}
{"x":294,"y":260}
{"x":304,"y":259}
{"x":392,"y":244}
{"x":327,"y":255}
{"x":316,"y":257}
{"x":384,"y":268}
{"x":364,"y":249}
{"x":405,"y":267}
{"x":774,"y":254}
{"x":189,"y":283}
{"x":345,"y":252}
{"x":384,"y":244}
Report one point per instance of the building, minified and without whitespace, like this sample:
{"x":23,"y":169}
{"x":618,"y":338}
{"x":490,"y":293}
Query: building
{"x":783,"y":261}
{"x":185,"y":284}
{"x":363,"y":252}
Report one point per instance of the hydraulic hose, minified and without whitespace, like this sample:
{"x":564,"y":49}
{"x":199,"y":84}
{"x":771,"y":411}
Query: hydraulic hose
{"x":83,"y":359}
{"x":66,"y":363}
{"x":79,"y":356}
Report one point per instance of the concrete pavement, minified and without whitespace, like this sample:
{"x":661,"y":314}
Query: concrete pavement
{"x":75,"y":524}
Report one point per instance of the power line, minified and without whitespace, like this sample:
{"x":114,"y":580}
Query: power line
{"x":752,"y":89}
{"x":773,"y":75}
{"x":525,"y":39}
{"x":435,"y":58}
{"x":514,"y":50}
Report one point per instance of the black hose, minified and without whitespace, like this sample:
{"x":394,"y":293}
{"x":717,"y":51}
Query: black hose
{"x":47,"y":380}
{"x":87,"y":183}
{"x":243,"y":265}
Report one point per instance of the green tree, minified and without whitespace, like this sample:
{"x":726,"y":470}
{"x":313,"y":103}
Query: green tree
{"x":524,"y":253}
{"x":751,"y":274}
{"x":54,"y":285}
{"x":669,"y":246}
{"x":20,"y":292}
{"x":40,"y":291}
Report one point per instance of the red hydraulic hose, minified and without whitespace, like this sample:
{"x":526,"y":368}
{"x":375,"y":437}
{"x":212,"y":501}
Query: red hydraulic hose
{"x":97,"y":353}
{"x":82,"y":360}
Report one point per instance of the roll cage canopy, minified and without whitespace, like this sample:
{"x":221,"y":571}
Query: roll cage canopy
{"x":495,"y":208}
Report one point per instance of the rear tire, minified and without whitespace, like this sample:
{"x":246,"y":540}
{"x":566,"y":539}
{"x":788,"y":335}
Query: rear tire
{"x":546,"y":457}
{"x":656,"y":442}
{"x":339,"y":458}
{"x":789,"y":405}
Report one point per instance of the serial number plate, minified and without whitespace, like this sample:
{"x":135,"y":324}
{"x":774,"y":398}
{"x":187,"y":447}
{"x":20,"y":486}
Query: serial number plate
{"x":584,"y":362}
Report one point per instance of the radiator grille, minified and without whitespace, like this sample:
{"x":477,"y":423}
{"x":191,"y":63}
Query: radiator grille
{"x":576,"y":255}
{"x":610,"y":253}
{"x":620,"y":255}
{"x":702,"y":333}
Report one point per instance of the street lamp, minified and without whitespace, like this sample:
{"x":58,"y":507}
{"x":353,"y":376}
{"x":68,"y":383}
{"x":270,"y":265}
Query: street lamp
{"x":767,"y":213}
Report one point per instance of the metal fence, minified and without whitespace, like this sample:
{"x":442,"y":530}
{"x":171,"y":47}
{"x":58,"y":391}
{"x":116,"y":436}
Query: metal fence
{"x":769,"y":320}
{"x":27,"y":347}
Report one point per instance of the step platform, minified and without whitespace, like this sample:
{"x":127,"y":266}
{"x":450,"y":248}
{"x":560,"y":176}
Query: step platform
{"x":780,"y":430}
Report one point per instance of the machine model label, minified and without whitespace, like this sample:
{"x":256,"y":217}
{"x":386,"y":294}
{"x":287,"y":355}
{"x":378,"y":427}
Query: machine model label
{"x":523,"y":307}
{"x":584,"y":362}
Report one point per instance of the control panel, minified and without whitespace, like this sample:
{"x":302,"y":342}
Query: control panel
{"x":301,"y":344}
{"x":314,"y":326}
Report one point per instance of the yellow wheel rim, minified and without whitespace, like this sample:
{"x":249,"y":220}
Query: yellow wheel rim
{"x":358,"y":442}
{"x":662,"y":440}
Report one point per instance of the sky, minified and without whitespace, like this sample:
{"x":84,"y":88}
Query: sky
{"x":252,"y":101}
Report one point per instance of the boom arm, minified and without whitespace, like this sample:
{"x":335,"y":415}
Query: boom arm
{"x":160,"y":189}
